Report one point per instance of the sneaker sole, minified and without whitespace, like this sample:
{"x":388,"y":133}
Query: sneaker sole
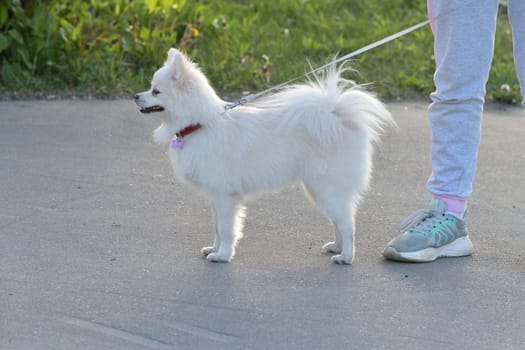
{"x":460,"y":247}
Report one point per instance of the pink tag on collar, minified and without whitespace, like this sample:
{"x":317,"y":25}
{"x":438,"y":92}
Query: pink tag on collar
{"x":177,"y":144}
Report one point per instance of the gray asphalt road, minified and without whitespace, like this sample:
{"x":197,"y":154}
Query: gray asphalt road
{"x":99,"y":246}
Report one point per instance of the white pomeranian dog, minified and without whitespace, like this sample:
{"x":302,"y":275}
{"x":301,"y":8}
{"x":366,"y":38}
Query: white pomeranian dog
{"x":319,"y":134}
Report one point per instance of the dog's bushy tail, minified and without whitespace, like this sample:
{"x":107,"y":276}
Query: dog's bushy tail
{"x":360,"y":109}
{"x":328,"y":104}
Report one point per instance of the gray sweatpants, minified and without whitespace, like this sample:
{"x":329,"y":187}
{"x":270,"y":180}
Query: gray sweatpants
{"x":463,"y":49}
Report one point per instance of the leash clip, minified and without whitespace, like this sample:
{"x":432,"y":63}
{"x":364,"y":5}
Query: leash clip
{"x":240,"y":102}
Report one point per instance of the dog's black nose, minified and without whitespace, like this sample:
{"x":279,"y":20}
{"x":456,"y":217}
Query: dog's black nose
{"x":136,"y":97}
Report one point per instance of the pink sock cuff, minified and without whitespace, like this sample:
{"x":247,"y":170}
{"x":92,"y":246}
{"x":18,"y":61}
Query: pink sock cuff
{"x":455,"y":204}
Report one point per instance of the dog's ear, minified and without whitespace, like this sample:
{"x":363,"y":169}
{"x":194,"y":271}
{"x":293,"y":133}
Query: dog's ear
{"x":171,"y":53}
{"x":175,"y":63}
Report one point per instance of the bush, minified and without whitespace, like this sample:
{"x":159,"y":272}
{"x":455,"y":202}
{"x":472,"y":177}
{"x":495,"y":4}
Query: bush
{"x":112,"y":47}
{"x":97,"y":46}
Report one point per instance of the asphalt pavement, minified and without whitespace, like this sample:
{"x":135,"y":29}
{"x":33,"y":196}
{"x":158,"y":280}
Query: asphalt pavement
{"x":99,"y":246}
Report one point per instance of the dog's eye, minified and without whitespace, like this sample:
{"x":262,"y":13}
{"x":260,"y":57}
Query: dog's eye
{"x":155,"y":92}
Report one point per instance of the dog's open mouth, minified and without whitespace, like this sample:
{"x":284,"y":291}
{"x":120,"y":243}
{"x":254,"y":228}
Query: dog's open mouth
{"x":152,"y":109}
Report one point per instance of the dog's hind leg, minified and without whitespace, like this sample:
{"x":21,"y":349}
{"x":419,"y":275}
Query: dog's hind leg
{"x":229,"y":215}
{"x":340,"y":209}
{"x":345,"y":227}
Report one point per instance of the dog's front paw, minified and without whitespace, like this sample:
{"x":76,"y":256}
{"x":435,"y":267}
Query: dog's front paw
{"x":207,"y":250}
{"x":342,"y":259}
{"x":332,"y":247}
{"x":216,"y":257}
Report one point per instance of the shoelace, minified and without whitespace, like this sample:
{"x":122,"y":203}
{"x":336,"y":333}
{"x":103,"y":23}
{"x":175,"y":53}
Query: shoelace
{"x":420,"y":217}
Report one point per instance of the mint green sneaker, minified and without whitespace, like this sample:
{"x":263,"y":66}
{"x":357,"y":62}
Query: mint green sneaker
{"x":429,"y":234}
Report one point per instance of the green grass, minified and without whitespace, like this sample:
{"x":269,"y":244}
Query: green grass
{"x":112,"y":47}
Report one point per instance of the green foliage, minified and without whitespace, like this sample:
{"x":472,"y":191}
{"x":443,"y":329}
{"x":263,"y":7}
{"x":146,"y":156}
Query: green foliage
{"x":503,"y":85}
{"x":111,"y":47}
{"x":96,"y":46}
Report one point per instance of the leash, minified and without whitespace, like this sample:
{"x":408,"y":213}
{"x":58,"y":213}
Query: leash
{"x":253,"y":97}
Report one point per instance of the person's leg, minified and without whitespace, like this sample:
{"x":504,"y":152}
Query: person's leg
{"x":463,"y":49}
{"x":516,"y":12}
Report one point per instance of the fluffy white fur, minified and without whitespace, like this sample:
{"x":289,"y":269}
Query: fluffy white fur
{"x":320,"y":134}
